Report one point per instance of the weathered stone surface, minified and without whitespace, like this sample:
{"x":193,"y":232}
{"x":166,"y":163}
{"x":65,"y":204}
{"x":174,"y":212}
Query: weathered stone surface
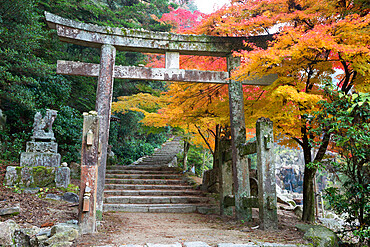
{"x":11,"y":176}
{"x":21,"y":239}
{"x":195,"y":244}
{"x":41,"y":147}
{"x":70,"y":197}
{"x":318,"y":235}
{"x":266,"y":174}
{"x":143,"y":73}
{"x":103,"y":107}
{"x":42,"y":153}
{"x":53,"y":197}
{"x":27,"y":176}
{"x":210,"y":181}
{"x":31,"y":190}
{"x":298,"y":211}
{"x":62,"y":177}
{"x":62,"y":234}
{"x":10,"y":210}
{"x":43,"y":176}
{"x":44,"y":232}
{"x":333,"y":224}
{"x":155,"y":74}
{"x":75,"y":170}
{"x":285,"y":200}
{"x":238,"y":136}
{"x":41,"y":238}
{"x":42,"y":126}
{"x":26,"y":237}
{"x":40,"y":159}
{"x":147,"y":41}
{"x":38,"y":176}
{"x":63,"y":227}
{"x":7,"y":229}
{"x":74,"y":222}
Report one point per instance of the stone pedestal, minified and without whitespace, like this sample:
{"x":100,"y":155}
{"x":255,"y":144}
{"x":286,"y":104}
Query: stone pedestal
{"x":62,"y":177}
{"x":40,"y":154}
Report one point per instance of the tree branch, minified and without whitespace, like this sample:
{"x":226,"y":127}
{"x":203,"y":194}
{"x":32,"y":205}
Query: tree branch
{"x":205,"y":140}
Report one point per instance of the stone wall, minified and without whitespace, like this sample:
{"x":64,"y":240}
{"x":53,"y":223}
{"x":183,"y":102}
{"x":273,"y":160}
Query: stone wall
{"x":37,"y":176}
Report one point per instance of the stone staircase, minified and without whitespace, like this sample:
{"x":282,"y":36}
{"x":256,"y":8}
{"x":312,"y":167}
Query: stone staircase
{"x":153,"y":186}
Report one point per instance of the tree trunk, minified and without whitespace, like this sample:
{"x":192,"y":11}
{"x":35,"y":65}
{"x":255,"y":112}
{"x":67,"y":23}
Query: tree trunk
{"x":216,"y":152}
{"x":203,"y":163}
{"x":309,"y":175}
{"x":308,"y":184}
{"x":308,"y":195}
{"x":186,"y":149}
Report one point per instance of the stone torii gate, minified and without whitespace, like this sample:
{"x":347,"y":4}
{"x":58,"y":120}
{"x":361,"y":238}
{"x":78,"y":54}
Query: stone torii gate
{"x":172,"y":45}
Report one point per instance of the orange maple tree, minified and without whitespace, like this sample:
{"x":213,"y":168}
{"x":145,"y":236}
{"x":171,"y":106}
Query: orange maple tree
{"x":314,"y":42}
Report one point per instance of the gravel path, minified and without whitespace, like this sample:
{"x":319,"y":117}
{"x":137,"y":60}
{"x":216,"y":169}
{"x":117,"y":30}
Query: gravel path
{"x":120,"y":228}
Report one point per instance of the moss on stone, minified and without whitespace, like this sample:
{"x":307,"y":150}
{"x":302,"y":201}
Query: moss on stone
{"x":318,"y":235}
{"x":19,"y":177}
{"x":43,"y":176}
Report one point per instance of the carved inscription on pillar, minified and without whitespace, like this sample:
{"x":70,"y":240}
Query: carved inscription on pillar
{"x":89,"y":173}
{"x":266,"y":174}
{"x":238,"y":137}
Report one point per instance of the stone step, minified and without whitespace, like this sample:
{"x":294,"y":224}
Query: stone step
{"x":155,"y":163}
{"x":159,"y":156}
{"x":143,"y":181}
{"x":163,"y":208}
{"x":146,"y":187}
{"x":151,"y":192}
{"x":144,"y":176}
{"x":141,"y":172}
{"x":156,"y":199}
{"x":150,"y":167}
{"x":151,"y":186}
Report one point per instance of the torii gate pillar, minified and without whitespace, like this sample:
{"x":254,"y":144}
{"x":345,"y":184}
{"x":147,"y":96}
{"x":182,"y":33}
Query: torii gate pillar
{"x":238,"y":139}
{"x":103,"y":107}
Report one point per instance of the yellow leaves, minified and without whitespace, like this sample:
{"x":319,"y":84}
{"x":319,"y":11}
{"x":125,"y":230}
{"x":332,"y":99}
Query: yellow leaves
{"x":142,"y":102}
{"x":304,"y":101}
{"x":362,"y":84}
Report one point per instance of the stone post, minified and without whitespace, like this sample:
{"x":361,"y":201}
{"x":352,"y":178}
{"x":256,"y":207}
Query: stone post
{"x":89,"y":173}
{"x":238,"y":135}
{"x":225,"y":177}
{"x":266,"y":174}
{"x":103,"y":107}
{"x":172,"y":60}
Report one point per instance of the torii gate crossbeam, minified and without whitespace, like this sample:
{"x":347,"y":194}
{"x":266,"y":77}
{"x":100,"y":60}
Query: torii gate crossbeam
{"x":172,"y":45}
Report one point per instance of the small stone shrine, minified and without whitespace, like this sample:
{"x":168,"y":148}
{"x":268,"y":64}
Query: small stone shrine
{"x":40,"y":164}
{"x":42,"y":150}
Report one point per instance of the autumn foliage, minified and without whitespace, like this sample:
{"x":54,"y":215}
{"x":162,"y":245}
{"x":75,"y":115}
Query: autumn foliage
{"x":315,"y":43}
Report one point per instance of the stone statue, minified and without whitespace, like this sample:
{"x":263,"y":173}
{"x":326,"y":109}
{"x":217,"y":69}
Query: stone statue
{"x":42,"y":126}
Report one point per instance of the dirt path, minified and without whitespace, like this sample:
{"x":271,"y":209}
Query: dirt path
{"x":140,"y":228}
